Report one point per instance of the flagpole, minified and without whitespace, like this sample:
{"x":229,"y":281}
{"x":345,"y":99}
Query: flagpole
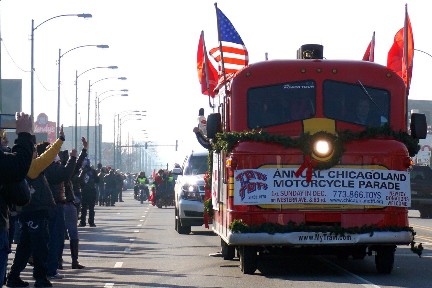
{"x":220,"y":47}
{"x":227,"y":124}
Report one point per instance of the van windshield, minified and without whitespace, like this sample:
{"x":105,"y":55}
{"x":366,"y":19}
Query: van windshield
{"x":197,"y":165}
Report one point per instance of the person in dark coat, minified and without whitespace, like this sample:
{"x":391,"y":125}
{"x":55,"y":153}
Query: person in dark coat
{"x":34,"y":218}
{"x":56,"y":175}
{"x":13,"y":169}
{"x":71,"y":208}
{"x":88,"y":180}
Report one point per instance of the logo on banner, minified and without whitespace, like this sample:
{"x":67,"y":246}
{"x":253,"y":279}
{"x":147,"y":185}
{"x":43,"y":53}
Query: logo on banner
{"x":247,"y":185}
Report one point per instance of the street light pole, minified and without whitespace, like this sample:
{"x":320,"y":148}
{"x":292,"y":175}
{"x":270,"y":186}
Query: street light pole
{"x":88,"y":103}
{"x":99,"y":101}
{"x":33,"y":28}
{"x":60,"y":55}
{"x":76,"y":95}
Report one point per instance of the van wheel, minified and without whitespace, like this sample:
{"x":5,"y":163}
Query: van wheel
{"x":384,"y":259}
{"x":228,"y":252}
{"x":176,"y":224}
{"x":248,"y":259}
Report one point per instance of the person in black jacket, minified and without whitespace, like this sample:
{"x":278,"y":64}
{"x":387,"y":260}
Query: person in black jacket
{"x":57,"y":174}
{"x":88,"y":180}
{"x":13,"y":169}
{"x":33,"y":220}
{"x":71,"y":208}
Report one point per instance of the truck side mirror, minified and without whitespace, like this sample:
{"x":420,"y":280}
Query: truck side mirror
{"x":214,"y":125}
{"x":418,"y":126}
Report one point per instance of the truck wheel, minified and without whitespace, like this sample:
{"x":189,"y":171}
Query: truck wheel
{"x":248,"y":259}
{"x":228,"y":252}
{"x":384,"y":259}
{"x":425,"y":212}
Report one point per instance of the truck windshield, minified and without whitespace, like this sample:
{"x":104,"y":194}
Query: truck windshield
{"x":356,"y":103}
{"x":280,"y":104}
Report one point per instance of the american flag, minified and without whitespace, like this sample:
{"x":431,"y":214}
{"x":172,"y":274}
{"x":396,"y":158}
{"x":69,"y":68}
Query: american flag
{"x":234,"y":55}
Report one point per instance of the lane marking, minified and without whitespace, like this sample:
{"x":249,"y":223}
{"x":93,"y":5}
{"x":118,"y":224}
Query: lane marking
{"x":139,"y":225}
{"x":109,"y":285}
{"x":118,"y":265}
{"x":365,"y":283}
{"x":136,"y":231}
{"x":141,"y":220}
{"x":132,"y":239}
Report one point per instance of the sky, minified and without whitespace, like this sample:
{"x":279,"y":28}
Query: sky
{"x":154,"y":44}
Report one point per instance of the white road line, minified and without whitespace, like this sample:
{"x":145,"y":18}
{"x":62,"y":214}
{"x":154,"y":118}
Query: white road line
{"x":132,"y":239}
{"x":139,"y":225}
{"x":365,"y":283}
{"x":136,"y":231}
{"x":143,"y":216}
{"x":141,"y":220}
{"x":118,"y":265}
{"x":109,"y":285}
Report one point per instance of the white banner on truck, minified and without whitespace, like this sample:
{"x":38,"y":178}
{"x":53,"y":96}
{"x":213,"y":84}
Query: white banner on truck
{"x":334,"y":186}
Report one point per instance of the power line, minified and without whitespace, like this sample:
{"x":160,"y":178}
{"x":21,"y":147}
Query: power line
{"x":11,"y":58}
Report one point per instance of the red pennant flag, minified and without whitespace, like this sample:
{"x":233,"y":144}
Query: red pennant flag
{"x":207,"y":74}
{"x":401,"y":54}
{"x":370,"y":51}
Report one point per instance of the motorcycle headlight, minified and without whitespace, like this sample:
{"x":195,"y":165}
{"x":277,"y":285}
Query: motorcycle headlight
{"x":190,"y":192}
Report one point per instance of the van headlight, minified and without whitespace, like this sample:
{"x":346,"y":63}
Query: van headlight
{"x":190,"y":192}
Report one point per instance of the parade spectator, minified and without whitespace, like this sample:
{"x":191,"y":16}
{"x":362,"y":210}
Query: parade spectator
{"x":102,"y":194}
{"x":88,"y":180}
{"x":71,"y":209}
{"x":110,"y":187}
{"x":119,"y":186}
{"x":13,"y":169}
{"x":34,"y":218}
{"x":56,"y":174}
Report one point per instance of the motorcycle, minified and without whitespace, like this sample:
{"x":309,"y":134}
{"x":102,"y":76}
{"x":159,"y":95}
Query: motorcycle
{"x":162,"y":196}
{"x":141,"y":193}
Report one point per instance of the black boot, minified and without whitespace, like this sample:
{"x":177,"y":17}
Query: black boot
{"x":74,"y":254}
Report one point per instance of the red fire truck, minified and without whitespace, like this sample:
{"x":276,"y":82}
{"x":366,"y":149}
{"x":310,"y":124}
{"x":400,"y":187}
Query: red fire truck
{"x":312,"y":155}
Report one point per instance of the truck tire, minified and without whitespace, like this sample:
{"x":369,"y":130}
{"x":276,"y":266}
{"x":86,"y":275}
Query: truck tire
{"x":228,"y":252}
{"x":425,"y":212}
{"x":248,"y":259}
{"x":384,"y":259}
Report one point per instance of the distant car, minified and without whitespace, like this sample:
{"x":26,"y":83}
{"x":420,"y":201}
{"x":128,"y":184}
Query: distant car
{"x":189,"y":192}
{"x":421,"y":190}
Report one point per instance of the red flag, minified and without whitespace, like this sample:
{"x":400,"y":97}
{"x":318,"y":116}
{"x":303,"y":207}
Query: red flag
{"x":207,"y":74}
{"x":401,"y":54}
{"x":231,"y":54}
{"x":370,"y":51}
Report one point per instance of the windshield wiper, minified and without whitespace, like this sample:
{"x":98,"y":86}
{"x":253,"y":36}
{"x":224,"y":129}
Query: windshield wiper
{"x":371,"y":99}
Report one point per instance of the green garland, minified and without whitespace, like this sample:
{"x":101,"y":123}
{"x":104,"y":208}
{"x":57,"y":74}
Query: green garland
{"x":227,"y":140}
{"x":208,"y":207}
{"x":238,"y":226}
